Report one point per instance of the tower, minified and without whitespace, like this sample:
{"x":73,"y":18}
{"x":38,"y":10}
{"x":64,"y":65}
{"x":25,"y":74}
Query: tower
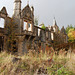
{"x":17,"y":8}
{"x":54,"y":22}
{"x":55,"y":27}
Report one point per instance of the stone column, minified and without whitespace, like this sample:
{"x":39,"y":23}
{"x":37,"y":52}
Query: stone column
{"x":5,"y":45}
{"x":21,"y":24}
{"x":27,"y":26}
{"x":52,"y":36}
{"x":20,"y":45}
{"x":31,"y":27}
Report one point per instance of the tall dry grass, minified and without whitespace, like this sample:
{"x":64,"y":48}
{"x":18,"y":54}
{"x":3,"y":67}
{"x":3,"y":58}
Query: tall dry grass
{"x":31,"y":62}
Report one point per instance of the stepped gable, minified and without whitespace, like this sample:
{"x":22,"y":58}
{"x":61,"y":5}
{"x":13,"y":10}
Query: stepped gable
{"x":4,"y":11}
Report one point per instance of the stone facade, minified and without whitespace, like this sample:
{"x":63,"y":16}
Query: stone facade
{"x":27,"y":35}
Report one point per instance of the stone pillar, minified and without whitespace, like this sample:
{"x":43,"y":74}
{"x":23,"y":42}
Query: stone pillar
{"x":21,"y":24}
{"x":20,"y":45}
{"x":52,"y":36}
{"x":27,"y":26}
{"x":5,"y":45}
{"x":31,"y":27}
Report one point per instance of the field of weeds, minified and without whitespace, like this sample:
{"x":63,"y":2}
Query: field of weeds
{"x":35,"y":63}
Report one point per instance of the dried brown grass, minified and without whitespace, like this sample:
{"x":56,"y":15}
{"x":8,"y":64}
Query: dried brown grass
{"x":32,"y":61}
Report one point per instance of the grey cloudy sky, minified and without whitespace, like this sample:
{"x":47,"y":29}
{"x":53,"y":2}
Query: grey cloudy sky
{"x":46,"y":10}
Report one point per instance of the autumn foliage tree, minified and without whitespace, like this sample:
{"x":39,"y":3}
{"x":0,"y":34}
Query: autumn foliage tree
{"x":71,"y":36}
{"x":70,"y":30}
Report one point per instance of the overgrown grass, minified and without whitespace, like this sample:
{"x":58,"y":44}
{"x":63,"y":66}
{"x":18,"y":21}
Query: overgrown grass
{"x":61,"y":64}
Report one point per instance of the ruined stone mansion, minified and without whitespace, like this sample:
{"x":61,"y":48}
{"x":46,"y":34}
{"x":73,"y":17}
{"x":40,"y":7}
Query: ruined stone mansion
{"x":27,"y":35}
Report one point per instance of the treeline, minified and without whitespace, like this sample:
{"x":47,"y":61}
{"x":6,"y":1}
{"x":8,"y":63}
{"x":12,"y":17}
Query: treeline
{"x":70,"y":30}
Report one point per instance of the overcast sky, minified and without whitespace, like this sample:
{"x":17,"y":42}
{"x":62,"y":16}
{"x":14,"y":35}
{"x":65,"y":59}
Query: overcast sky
{"x":46,"y":10}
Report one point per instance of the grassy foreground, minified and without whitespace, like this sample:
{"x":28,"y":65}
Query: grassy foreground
{"x":35,"y":63}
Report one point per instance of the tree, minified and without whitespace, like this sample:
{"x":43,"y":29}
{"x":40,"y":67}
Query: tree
{"x":43,"y":27}
{"x":71,"y":36}
{"x":70,"y":30}
{"x":11,"y":44}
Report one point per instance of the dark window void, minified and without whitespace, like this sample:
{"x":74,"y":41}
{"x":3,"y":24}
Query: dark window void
{"x":12,"y":46}
{"x":1,"y":43}
{"x":14,"y":42}
{"x":15,"y":48}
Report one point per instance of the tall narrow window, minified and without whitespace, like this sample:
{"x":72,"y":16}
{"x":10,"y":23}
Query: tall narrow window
{"x":24,"y":28}
{"x":1,"y":22}
{"x":39,"y":32}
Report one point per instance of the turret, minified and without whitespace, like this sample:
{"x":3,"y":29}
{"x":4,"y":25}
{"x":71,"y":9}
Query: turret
{"x":54,"y":22}
{"x":32,"y":9}
{"x":55,"y":27}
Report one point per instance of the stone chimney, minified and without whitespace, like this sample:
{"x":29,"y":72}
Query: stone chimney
{"x":17,"y":8}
